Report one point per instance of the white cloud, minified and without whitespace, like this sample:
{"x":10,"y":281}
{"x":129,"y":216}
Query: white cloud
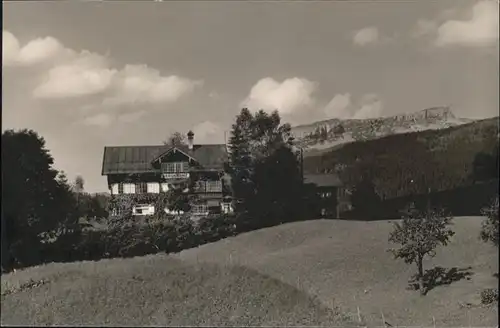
{"x":367,"y":35}
{"x":74,"y":80}
{"x":480,"y":29}
{"x":141,"y":84}
{"x":370,"y":107}
{"x":208,"y":132}
{"x":77,"y":74}
{"x":40,"y":50}
{"x":339,"y":106}
{"x":10,"y":48}
{"x":287,"y":97}
{"x":34,"y":52}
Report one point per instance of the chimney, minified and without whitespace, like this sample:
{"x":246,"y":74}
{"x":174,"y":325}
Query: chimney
{"x":190,"y":136}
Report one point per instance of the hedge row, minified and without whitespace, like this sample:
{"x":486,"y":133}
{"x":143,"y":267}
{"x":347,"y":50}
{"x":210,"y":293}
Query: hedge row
{"x":137,"y":239}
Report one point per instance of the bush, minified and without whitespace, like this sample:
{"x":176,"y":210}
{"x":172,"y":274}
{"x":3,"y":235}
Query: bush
{"x":214,"y":228}
{"x":489,"y":296}
{"x":126,"y":238}
{"x":489,"y":231}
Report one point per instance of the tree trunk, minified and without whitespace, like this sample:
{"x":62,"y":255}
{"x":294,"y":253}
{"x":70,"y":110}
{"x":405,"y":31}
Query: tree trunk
{"x":420,"y":275}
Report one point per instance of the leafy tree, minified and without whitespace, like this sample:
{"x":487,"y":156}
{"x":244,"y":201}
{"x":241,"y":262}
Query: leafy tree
{"x":279,"y":192}
{"x":78,"y":189}
{"x":175,"y":139}
{"x":79,"y":184}
{"x":92,"y":205}
{"x":365,"y":199}
{"x":489,"y":231}
{"x":120,"y":208}
{"x":419,"y":234}
{"x":35,"y":200}
{"x":178,"y":199}
{"x":260,"y":158}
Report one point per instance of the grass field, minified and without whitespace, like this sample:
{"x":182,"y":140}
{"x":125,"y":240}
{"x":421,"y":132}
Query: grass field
{"x":307,"y":273}
{"x":345,"y":263}
{"x":155,"y":290}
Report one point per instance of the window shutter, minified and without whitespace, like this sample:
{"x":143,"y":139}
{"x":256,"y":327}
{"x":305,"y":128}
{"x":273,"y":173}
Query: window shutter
{"x":185,"y":166}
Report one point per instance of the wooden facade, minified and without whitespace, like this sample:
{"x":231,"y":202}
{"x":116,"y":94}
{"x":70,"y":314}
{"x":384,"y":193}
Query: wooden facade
{"x":330,"y":194}
{"x":157,"y":169}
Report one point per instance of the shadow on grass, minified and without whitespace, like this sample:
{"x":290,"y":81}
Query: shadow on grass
{"x":439,"y":276}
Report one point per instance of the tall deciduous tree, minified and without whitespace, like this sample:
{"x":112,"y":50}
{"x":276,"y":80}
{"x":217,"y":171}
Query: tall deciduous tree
{"x":265,"y":174}
{"x":35,"y":199}
{"x":419,"y":234}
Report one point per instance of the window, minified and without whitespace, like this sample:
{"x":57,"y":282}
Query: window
{"x":209,"y":186}
{"x":143,"y":209}
{"x":174,"y":167}
{"x":116,"y":211}
{"x":114,"y":189}
{"x":153,"y":187}
{"x":140,"y":188}
{"x":226,"y":207}
{"x":164,"y":187}
{"x":129,"y":188}
{"x":199,"y":209}
{"x":214,"y":186}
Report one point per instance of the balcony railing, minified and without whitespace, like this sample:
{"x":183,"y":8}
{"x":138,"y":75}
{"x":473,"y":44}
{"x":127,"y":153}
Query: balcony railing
{"x":208,"y":186}
{"x":175,"y":175}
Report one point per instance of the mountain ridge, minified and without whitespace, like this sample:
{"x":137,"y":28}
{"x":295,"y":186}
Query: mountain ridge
{"x":322,"y":135}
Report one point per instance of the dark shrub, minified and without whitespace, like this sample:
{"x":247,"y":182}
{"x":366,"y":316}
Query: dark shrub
{"x":489,"y":296}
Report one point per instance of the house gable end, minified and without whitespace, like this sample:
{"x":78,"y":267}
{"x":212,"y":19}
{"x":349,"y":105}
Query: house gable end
{"x":174,"y":154}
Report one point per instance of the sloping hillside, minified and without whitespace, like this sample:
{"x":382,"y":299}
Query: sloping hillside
{"x":155,"y":290}
{"x":322,"y":135}
{"x":412,"y":162}
{"x":346,"y":263}
{"x":303,"y":273}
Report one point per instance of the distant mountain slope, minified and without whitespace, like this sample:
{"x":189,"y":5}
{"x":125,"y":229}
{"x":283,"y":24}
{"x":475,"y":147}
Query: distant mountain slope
{"x":322,"y":135}
{"x":407,"y":163}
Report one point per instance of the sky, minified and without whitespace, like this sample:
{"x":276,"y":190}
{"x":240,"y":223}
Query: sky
{"x":86,"y":75}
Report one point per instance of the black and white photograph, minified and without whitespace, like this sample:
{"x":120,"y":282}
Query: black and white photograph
{"x":256,"y":163}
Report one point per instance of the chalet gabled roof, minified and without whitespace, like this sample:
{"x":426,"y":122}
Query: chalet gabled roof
{"x":138,"y":159}
{"x":182,"y":149}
